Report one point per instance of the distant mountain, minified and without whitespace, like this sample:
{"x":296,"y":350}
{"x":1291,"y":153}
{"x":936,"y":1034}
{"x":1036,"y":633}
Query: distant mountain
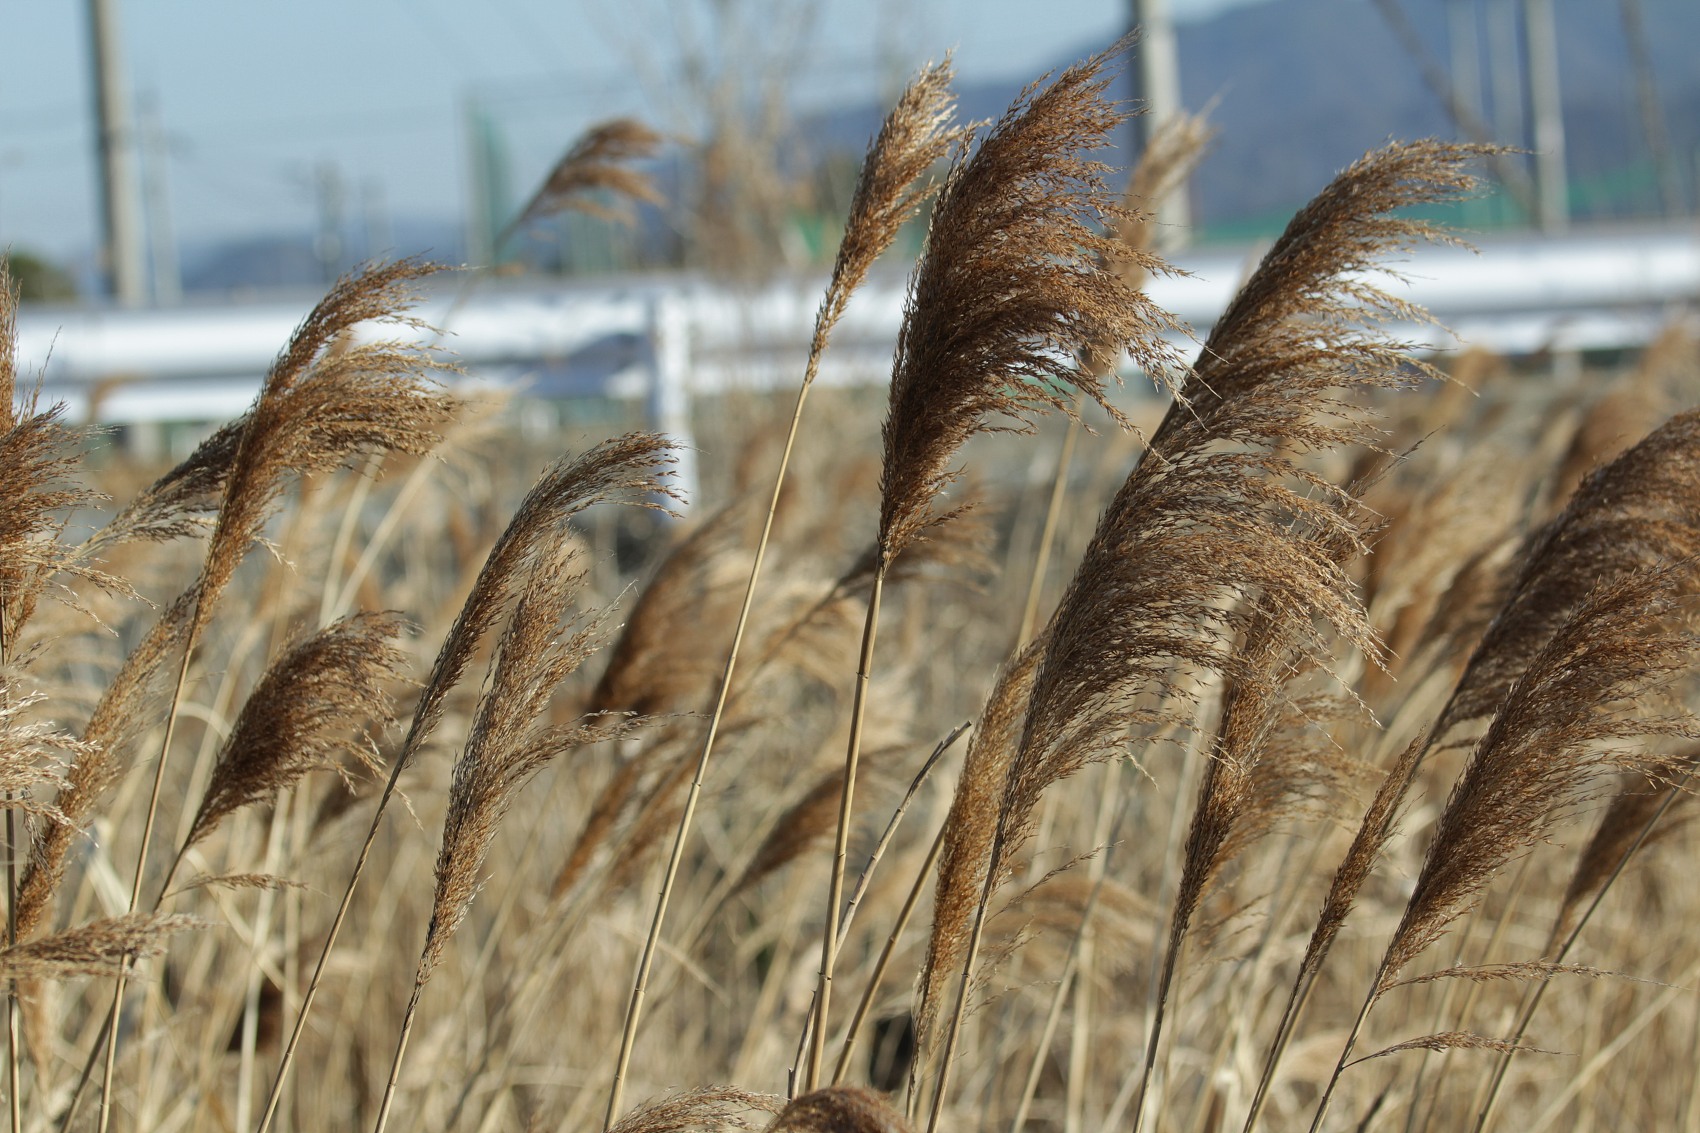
{"x":1303,"y":87}
{"x":280,"y":261}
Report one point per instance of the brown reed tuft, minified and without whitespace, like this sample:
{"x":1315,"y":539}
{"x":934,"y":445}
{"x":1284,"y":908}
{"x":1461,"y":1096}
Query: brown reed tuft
{"x":595,"y":175}
{"x":323,"y":403}
{"x":180,"y":503}
{"x":692,"y":596}
{"x":1008,"y":293}
{"x":99,"y":948}
{"x":1217,"y":521}
{"x":532,"y":580}
{"x":914,"y":137}
{"x":1575,"y":713}
{"x":38,"y":454}
{"x":1639,"y":510}
{"x":839,"y":1109}
{"x":626,"y":469}
{"x":1169,"y":158}
{"x":510,"y":740}
{"x":32,"y":755}
{"x":1567,"y":718}
{"x":315,"y":704}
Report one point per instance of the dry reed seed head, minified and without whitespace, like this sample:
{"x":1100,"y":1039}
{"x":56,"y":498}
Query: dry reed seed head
{"x":1443,"y":1041}
{"x":507,"y":746}
{"x":839,"y":1109}
{"x":8,"y":343}
{"x":1169,"y":158}
{"x":33,"y":755}
{"x":708,"y":1109}
{"x":324,"y":402}
{"x":1217,"y":519}
{"x":1491,"y":973}
{"x":1009,"y":293}
{"x":629,"y":469}
{"x":1307,"y":322}
{"x":1575,"y":714}
{"x":1641,"y":509}
{"x":317,"y":703}
{"x":38,"y":458}
{"x":595,"y":177}
{"x":99,"y":948}
{"x":914,"y":137}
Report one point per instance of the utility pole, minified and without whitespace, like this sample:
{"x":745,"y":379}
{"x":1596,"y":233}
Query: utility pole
{"x":120,"y":209}
{"x":1546,"y":104}
{"x":1466,"y":52}
{"x":1158,"y":74}
{"x":330,"y":195}
{"x":162,"y":243}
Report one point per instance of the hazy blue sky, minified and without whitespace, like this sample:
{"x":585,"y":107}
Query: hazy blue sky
{"x":250,"y":97}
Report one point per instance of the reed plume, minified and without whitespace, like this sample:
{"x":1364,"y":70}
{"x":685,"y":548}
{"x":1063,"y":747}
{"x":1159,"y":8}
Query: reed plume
{"x":1009,"y":296}
{"x":912,"y":138}
{"x":1637,"y":511}
{"x":1575,"y":713}
{"x":508,"y":744}
{"x":1218,"y":530}
{"x":315,"y":704}
{"x":180,"y":503}
{"x":595,"y":176}
{"x":708,"y":1109}
{"x":99,"y":948}
{"x":627,"y":469}
{"x":1009,"y":293}
{"x":1631,"y":514}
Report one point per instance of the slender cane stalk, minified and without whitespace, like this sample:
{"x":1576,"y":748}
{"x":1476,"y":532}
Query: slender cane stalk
{"x":865,"y":1004}
{"x":12,"y":1060}
{"x":276,"y":1093}
{"x":1346,"y":1051}
{"x":835,"y":889}
{"x":634,"y":1011}
{"x":400,"y":1050}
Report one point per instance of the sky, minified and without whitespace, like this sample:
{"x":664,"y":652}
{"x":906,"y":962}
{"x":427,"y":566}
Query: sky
{"x":249,"y":101}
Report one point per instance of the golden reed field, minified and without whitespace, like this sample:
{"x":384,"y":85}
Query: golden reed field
{"x":1306,"y":744}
